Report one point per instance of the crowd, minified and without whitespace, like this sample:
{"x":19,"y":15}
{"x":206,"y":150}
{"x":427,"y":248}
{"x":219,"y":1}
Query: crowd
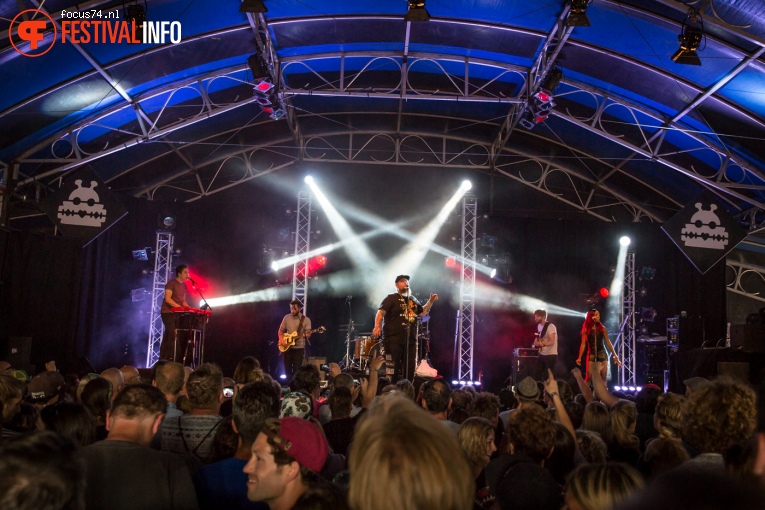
{"x":194,"y":439}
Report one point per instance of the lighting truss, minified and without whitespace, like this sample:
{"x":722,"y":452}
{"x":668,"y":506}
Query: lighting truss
{"x":466,"y":319}
{"x":626,"y":337}
{"x":163,"y":264}
{"x":302,"y":247}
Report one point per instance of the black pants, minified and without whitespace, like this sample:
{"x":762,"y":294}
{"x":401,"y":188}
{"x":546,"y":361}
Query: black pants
{"x":545,"y":363}
{"x":167,"y":349}
{"x":396,"y":352}
{"x":293,"y":359}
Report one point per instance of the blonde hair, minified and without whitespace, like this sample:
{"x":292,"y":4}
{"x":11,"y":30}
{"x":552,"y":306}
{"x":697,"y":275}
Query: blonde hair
{"x":595,"y":419}
{"x":669,"y":414}
{"x":402,"y":457}
{"x":601,"y":486}
{"x":472,"y":436}
{"x":623,"y":415}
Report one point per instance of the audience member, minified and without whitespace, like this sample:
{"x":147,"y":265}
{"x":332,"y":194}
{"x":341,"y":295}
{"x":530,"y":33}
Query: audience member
{"x":46,"y":388}
{"x":97,"y":399}
{"x":694,"y":384}
{"x":645,"y":403}
{"x":114,"y":376}
{"x":623,"y":444}
{"x":84,"y":380}
{"x":26,"y":420}
{"x":595,"y":419}
{"x":123,"y":472}
{"x":41,"y":471}
{"x":592,"y":446}
{"x":72,"y":420}
{"x":130,"y":374}
{"x":223,"y":484}
{"x":527,"y":393}
{"x":601,"y":486}
{"x":406,"y":387}
{"x":339,"y":431}
{"x":287,"y":456}
{"x":476,"y":438}
{"x":11,"y":394}
{"x":191,"y":435}
{"x":436,"y":399}
{"x":668,"y":415}
{"x":661,"y":454}
{"x":401,"y":458}
{"x":246,"y":371}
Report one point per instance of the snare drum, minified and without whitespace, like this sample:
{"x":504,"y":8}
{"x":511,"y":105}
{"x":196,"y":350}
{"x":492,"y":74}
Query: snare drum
{"x":363,"y":346}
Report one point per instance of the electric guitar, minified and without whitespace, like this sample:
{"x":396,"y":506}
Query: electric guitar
{"x":290,"y":338}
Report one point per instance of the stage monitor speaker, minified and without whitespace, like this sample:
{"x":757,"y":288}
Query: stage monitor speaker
{"x":18,"y":352}
{"x":750,"y":337}
{"x":738,"y":371}
{"x":690,"y":333}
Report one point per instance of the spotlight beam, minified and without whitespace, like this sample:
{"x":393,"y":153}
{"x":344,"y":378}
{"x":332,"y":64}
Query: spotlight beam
{"x":489,"y":296}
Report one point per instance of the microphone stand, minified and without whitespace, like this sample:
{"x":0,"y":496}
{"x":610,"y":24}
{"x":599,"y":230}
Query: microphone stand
{"x":408,"y":330}
{"x":206,"y":306}
{"x":348,"y":362}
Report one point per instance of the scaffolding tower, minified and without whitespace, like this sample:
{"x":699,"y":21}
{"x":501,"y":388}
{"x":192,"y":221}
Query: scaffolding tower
{"x":302,"y":246}
{"x":626,"y":338}
{"x":163,"y":265}
{"x":466,"y":319}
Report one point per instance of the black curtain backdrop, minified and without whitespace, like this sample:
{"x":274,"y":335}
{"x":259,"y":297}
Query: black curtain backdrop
{"x":40,"y":294}
{"x":86,"y":293}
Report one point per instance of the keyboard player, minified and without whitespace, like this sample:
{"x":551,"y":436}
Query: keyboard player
{"x":175,"y":295}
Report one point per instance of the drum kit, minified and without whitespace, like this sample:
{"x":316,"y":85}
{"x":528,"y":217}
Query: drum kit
{"x":365,"y":347}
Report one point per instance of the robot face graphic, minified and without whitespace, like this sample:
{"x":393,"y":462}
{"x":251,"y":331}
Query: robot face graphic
{"x":704,"y":230}
{"x":83,"y":208}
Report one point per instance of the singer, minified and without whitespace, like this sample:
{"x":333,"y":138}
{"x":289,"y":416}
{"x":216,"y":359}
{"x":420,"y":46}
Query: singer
{"x":175,"y":295}
{"x":396,"y":322}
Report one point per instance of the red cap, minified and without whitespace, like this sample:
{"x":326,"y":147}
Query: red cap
{"x":301,"y":439}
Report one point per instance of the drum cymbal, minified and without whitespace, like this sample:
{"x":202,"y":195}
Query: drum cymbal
{"x":366,"y":333}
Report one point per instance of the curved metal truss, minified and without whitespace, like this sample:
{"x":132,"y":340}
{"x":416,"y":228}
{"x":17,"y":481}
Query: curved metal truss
{"x":745,"y":279}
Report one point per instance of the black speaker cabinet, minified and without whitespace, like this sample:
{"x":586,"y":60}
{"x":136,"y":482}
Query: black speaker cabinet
{"x":524,"y":366}
{"x":750,"y":337}
{"x":18,"y":351}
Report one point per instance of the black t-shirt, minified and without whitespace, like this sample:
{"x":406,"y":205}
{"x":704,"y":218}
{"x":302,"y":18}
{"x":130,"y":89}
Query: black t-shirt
{"x":178,"y":295}
{"x":396,"y":312}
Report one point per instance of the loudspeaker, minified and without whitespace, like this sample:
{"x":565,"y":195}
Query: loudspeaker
{"x":524,"y":366}
{"x":735,"y":370}
{"x":749,"y":336}
{"x":690,"y":333}
{"x":18,"y":352}
{"x":258,"y":66}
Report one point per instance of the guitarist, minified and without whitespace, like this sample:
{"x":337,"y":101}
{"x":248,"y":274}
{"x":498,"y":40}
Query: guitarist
{"x":546,"y":340}
{"x":293,"y":322}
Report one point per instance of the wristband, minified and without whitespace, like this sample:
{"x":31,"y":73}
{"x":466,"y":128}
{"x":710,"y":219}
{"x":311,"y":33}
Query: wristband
{"x":554,"y":394}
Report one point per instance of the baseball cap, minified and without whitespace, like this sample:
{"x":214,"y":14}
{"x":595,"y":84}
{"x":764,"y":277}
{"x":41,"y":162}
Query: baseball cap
{"x":296,"y":404}
{"x":402,"y":277}
{"x":45,"y":385}
{"x":527,"y":389}
{"x":301,"y":439}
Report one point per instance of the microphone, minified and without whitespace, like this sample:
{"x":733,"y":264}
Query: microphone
{"x":348,"y":298}
{"x":192,"y":280}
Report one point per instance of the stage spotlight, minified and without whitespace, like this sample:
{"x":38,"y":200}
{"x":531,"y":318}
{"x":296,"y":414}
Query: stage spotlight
{"x":603,"y":292}
{"x":137,"y":295}
{"x":308,"y":179}
{"x":648,"y":314}
{"x":141,"y":254}
{"x":578,"y":15}
{"x":467,"y":185}
{"x":166,"y":222}
{"x":417,"y":11}
{"x":493,"y":273}
{"x":450,"y":262}
{"x":690,"y":37}
{"x":647,"y":273}
{"x":624,"y":241}
{"x":321,"y":260}
{"x":262,"y":87}
{"x":254,"y":6}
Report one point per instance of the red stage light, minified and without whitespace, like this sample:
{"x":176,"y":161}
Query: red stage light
{"x":603,"y":292}
{"x":321,"y":260}
{"x":450,"y":262}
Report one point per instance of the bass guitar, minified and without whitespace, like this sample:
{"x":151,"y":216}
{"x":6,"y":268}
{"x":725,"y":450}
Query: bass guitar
{"x":290,"y":338}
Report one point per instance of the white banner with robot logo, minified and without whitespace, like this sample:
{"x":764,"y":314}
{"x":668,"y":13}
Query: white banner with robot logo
{"x":704,"y":231}
{"x":83,"y":207}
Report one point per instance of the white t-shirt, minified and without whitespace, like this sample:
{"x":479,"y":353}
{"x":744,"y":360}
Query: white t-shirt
{"x":550,"y":335}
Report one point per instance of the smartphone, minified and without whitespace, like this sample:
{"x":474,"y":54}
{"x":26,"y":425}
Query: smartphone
{"x":228,"y":392}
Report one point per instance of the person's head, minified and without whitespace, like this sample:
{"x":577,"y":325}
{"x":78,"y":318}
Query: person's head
{"x":592,"y":319}
{"x":11,"y":393}
{"x":623,"y":419}
{"x":402,"y":283}
{"x":306,"y":379}
{"x":486,"y":405}
{"x":114,"y":376}
{"x":141,"y":408}
{"x":507,"y":399}
{"x":561,"y":461}
{"x":340,"y":402}
{"x":461,"y":399}
{"x":601,"y":486}
{"x":41,"y":471}
{"x":97,"y":398}
{"x":530,"y":431}
{"x":46,"y":388}
{"x":168,"y":377}
{"x":26,"y":420}
{"x":527,"y":391}
{"x":182,"y":272}
{"x":287,"y":453}
{"x":668,"y":415}
{"x":662,"y":454}
{"x":694,"y":384}
{"x":296,"y":404}
{"x":476,"y":438}
{"x":406,"y":387}
{"x":540,"y":316}
{"x":130,"y":374}
{"x":436,"y":396}
{"x":84,"y":380}
{"x":719,"y":415}
{"x":592,"y":446}
{"x":72,"y":420}
{"x":254,"y":403}
{"x":575,"y":412}
{"x":246,"y":370}
{"x":295,"y":307}
{"x":402,"y":458}
{"x":596,"y":418}
{"x":646,"y":399}
{"x":205,"y":387}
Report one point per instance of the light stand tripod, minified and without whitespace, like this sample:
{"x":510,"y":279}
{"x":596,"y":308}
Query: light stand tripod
{"x":347,"y":362}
